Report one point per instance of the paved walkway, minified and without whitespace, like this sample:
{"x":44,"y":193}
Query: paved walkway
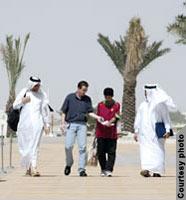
{"x":126,"y":183}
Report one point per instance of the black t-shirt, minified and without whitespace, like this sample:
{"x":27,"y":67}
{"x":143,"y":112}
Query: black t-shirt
{"x":76,"y":109}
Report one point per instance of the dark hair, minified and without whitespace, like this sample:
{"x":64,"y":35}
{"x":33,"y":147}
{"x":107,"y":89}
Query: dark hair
{"x":108,"y":92}
{"x":82,"y":83}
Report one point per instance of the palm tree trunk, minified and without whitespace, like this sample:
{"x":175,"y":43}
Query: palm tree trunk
{"x":10,"y":100}
{"x":128,"y":107}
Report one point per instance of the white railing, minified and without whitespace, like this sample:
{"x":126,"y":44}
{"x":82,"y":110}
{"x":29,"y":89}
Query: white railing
{"x":2,"y":144}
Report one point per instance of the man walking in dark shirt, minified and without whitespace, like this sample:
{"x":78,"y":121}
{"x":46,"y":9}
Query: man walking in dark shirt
{"x":74,"y":111}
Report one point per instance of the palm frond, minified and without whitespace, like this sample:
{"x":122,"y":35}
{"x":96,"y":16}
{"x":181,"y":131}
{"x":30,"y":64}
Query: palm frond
{"x":115,"y":51}
{"x":13,"y":59}
{"x":178,"y":28}
{"x":152,"y":52}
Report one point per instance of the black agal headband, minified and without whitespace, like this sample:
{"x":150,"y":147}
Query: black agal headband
{"x":35,"y":79}
{"x":150,"y":87}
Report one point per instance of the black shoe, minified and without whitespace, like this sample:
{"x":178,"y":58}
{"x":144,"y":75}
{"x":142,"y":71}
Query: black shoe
{"x":67,"y":170}
{"x":145,"y":173}
{"x":156,"y":175}
{"x":83,"y":173}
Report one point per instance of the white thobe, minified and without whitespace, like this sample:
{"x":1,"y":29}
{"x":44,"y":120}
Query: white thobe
{"x":33,"y":116}
{"x":152,"y":151}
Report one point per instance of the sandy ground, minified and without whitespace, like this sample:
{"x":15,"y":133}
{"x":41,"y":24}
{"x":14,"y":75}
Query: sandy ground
{"x":125,"y":184}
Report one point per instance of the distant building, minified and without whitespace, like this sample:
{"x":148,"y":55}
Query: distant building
{"x":3,"y":123}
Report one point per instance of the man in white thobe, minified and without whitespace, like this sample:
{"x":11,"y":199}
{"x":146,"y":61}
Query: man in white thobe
{"x":154,"y":109}
{"x":34,"y":117}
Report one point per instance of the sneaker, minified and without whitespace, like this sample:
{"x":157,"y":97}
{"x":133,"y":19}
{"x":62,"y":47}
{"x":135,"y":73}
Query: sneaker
{"x":82,"y":173}
{"x":145,"y":173}
{"x":156,"y":175}
{"x":35,"y":172}
{"x":103,"y":173}
{"x":108,"y":173}
{"x":67,"y":170}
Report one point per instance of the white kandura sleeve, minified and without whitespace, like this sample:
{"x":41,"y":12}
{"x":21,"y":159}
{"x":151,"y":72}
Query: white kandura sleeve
{"x":45,"y":111}
{"x":137,"y":122}
{"x":166,"y":117}
{"x":18,"y":101}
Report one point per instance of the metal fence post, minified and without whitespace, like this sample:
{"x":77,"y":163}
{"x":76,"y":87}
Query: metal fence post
{"x":2,"y":151}
{"x":10,"y":159}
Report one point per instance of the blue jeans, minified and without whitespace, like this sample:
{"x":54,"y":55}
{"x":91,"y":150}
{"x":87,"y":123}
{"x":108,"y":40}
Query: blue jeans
{"x":80,"y":130}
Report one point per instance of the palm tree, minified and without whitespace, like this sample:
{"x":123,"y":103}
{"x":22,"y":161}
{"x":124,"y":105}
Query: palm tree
{"x":130,"y":56}
{"x":178,"y":28}
{"x":13,"y":59}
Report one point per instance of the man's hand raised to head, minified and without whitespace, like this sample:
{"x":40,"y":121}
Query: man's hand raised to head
{"x":26,"y":100}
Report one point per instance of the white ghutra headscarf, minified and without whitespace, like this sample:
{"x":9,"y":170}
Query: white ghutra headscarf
{"x":156,"y":95}
{"x":33,"y":81}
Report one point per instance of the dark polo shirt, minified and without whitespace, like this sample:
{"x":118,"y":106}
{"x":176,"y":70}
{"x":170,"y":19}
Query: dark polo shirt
{"x":76,"y":109}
